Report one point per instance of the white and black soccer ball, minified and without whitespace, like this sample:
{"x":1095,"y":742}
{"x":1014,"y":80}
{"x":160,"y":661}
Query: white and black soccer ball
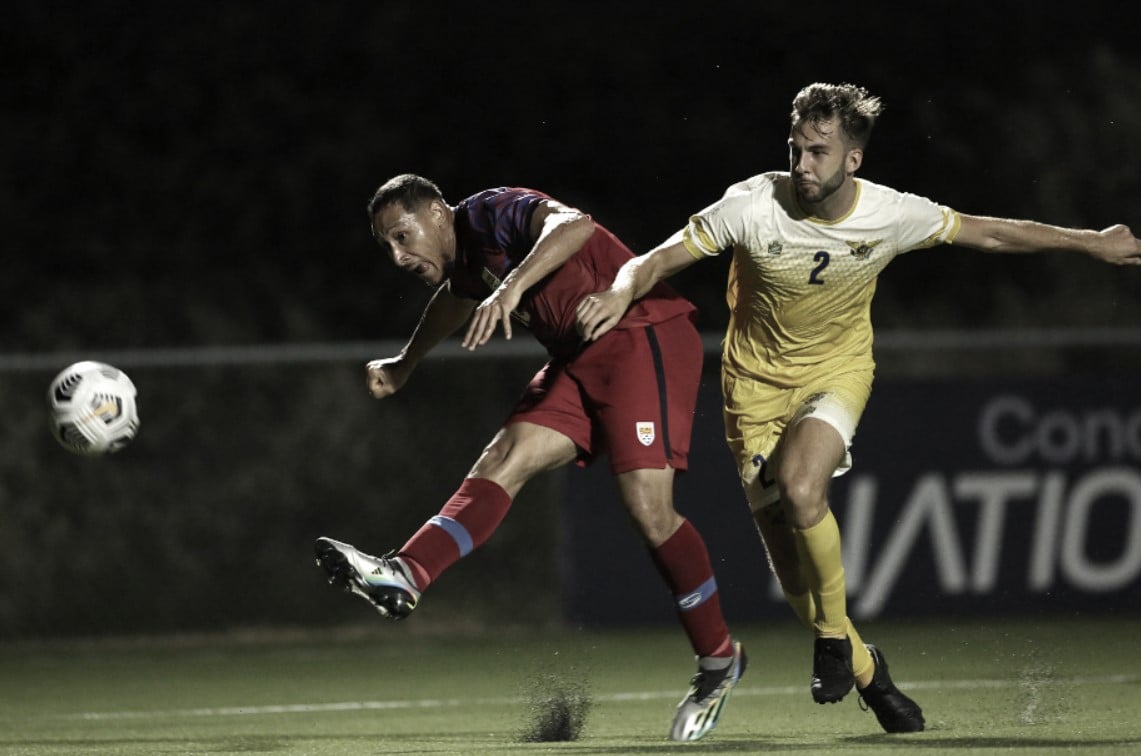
{"x":93,"y":409}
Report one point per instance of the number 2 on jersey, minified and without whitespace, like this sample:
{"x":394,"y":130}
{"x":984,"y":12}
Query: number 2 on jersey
{"x":822,"y":259}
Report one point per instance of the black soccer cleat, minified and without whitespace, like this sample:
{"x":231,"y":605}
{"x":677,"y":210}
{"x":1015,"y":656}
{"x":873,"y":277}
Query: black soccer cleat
{"x":379,"y":580}
{"x":832,"y":676}
{"x":895,"y":711}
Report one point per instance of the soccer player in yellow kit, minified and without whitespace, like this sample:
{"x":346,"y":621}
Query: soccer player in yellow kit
{"x":807,"y":246}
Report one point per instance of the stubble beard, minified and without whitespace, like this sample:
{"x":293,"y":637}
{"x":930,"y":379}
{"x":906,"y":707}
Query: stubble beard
{"x":822,"y":191}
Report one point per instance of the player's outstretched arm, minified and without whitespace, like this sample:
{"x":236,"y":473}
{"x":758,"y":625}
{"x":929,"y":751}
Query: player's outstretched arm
{"x":559,"y":232}
{"x":599,"y":312}
{"x":442,"y":317}
{"x":1116,"y":244}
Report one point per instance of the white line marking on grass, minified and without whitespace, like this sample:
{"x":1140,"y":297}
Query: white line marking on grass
{"x":1014,"y":683}
{"x":440,"y":703}
{"x":237,"y":711}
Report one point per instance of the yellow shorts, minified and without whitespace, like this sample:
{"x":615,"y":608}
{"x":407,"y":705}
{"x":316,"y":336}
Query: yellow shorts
{"x":757,"y":413}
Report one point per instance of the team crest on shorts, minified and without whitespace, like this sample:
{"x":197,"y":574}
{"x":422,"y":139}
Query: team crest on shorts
{"x":645,"y":431}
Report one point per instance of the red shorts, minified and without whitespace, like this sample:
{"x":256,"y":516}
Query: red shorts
{"x":631,"y":394}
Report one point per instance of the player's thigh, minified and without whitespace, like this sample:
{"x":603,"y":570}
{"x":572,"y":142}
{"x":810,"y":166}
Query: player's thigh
{"x":812,"y":450}
{"x":755,"y":416}
{"x":554,"y":400}
{"x":521,"y":450}
{"x":640,"y":386}
{"x":766,"y":430}
{"x":837,"y":404}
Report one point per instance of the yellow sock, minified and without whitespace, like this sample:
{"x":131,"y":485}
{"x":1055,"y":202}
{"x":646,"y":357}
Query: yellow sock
{"x":818,"y":549}
{"x":862,"y":665}
{"x":804,"y":605}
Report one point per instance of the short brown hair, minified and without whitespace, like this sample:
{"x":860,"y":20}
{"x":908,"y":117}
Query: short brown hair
{"x":408,"y":189}
{"x":853,"y":106}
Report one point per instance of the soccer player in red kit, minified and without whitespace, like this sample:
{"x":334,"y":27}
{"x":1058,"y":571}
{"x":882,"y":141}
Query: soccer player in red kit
{"x":517,"y":256}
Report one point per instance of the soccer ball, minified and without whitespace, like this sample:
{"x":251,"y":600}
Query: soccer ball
{"x":93,"y":409}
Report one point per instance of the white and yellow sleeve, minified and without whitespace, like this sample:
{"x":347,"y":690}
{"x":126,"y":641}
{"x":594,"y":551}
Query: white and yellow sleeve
{"x":698,"y":241}
{"x":924,"y":223}
{"x":721,"y":226}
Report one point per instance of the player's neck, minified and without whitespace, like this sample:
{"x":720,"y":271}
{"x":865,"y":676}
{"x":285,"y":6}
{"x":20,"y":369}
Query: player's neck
{"x":450,"y":234}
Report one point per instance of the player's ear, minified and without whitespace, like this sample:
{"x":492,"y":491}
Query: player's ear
{"x":438,"y":212}
{"x":854,"y":159}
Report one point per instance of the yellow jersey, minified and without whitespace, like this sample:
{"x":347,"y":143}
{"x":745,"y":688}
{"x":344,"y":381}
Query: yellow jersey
{"x":800,"y":288}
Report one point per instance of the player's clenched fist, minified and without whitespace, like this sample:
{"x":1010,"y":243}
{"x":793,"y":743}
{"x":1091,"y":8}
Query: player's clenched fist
{"x":1119,"y":247}
{"x":385,"y":377}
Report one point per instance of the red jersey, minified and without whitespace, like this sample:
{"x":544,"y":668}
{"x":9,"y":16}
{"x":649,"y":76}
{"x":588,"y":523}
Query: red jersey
{"x":493,"y":235}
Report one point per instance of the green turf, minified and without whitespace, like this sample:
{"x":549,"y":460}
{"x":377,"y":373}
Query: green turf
{"x":1047,"y":686}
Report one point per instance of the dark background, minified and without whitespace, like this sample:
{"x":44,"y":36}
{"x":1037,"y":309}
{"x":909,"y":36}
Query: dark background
{"x":195,"y":176}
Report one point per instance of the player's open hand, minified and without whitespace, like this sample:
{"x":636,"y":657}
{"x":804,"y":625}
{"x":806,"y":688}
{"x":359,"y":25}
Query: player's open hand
{"x":385,"y":377}
{"x":494,"y":311}
{"x":597,"y":313}
{"x":1118,"y":246}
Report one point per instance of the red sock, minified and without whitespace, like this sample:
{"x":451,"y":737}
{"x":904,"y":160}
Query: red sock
{"x":683,"y":562}
{"x":463,"y":525}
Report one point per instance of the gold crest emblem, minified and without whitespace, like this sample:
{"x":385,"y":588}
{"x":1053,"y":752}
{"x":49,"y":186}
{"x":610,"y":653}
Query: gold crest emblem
{"x":862,"y":250}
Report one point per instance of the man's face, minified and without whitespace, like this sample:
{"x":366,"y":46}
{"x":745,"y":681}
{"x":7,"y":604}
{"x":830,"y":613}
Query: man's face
{"x":420,"y":242}
{"x":818,"y":159}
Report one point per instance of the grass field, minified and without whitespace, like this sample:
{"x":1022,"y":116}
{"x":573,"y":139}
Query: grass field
{"x":1024,"y":687}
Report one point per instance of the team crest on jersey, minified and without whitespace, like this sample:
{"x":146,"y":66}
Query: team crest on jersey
{"x":775,"y":248}
{"x":862,"y":250}
{"x":493,"y":281}
{"x":645,"y":431}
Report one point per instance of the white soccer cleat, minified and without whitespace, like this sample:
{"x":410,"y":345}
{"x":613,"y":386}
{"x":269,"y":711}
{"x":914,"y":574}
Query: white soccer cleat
{"x":709,"y":691}
{"x":379,"y":580}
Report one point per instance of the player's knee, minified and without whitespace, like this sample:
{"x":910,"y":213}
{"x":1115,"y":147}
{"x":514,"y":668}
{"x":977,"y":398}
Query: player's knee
{"x":804,"y":500}
{"x":506,"y":461}
{"x":799,"y":490}
{"x":494,"y":457}
{"x":655,"y":520}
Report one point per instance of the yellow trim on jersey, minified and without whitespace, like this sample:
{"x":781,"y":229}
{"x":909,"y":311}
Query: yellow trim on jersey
{"x":701,"y":245}
{"x":825,"y":221}
{"x":956,"y":225}
{"x":946,"y":233}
